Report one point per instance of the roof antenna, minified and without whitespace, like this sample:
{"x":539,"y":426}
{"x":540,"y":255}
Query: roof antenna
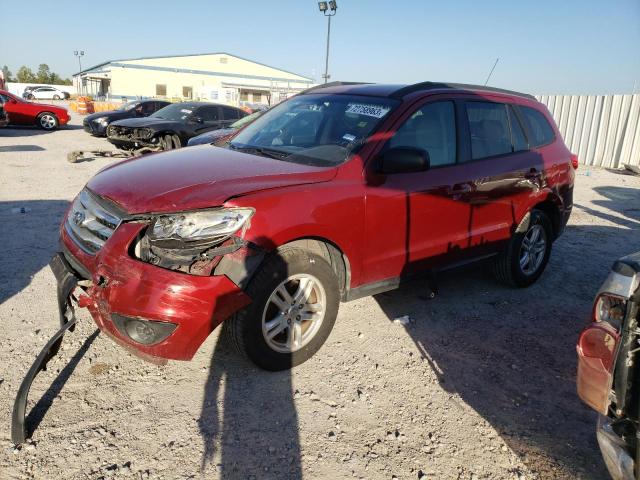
{"x":491,"y":72}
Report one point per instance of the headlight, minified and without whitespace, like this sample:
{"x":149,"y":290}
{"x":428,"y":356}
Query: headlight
{"x":610,"y":309}
{"x":102,"y":120}
{"x":210,"y":225}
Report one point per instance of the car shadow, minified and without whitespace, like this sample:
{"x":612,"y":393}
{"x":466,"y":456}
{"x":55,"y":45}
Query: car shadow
{"x":21,"y":148}
{"x":510,"y":353}
{"x":248,"y":420}
{"x":29,"y":238}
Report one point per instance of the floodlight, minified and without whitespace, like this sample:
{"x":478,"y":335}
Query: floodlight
{"x":323,"y":6}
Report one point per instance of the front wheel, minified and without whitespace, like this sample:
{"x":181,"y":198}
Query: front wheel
{"x":56,"y":97}
{"x":295,"y":298}
{"x":47,"y":121}
{"x":527,"y":254}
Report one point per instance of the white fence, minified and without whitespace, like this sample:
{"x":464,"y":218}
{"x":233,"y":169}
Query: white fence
{"x":603,"y":130}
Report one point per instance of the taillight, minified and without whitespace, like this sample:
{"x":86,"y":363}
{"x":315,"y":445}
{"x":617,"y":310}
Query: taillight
{"x":574,"y":161}
{"x":610,"y":309}
{"x":596,"y":348}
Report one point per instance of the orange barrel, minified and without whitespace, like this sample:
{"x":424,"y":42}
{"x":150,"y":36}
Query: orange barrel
{"x":90,"y":108}
{"x":82,"y":105}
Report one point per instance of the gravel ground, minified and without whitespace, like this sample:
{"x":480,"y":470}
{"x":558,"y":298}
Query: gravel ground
{"x":479,"y":383}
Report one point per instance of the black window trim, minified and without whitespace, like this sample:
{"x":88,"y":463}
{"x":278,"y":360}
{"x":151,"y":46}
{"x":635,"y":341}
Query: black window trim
{"x":511,"y":114}
{"x":527,"y":131}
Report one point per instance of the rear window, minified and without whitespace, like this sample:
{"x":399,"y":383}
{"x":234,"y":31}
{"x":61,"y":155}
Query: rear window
{"x":539,"y":129}
{"x":489,"y":129}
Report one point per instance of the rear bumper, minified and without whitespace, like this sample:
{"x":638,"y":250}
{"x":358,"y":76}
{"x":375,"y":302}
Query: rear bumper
{"x":131,"y":288}
{"x":614,"y":451}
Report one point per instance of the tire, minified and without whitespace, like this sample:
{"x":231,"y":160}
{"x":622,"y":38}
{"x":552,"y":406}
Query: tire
{"x":30,"y":97}
{"x":527,"y":254}
{"x":177,"y":143}
{"x":47,"y":121}
{"x":249,"y":328}
{"x":56,"y":97}
{"x":167,"y":142}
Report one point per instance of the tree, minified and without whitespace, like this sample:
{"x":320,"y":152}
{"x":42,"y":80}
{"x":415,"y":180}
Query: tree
{"x":25,"y":75}
{"x":7,"y":74}
{"x":44,"y":74}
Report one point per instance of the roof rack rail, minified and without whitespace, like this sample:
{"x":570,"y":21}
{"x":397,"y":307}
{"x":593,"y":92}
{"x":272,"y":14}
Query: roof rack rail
{"x":332,"y":84}
{"x":455,"y":86}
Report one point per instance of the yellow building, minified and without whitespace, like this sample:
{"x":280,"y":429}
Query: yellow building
{"x":216,"y":77}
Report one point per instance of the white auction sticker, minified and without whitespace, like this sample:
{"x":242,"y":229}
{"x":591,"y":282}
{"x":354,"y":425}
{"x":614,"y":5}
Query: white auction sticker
{"x":377,"y":111}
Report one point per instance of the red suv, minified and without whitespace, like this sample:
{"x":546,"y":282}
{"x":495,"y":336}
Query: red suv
{"x":340,"y":192}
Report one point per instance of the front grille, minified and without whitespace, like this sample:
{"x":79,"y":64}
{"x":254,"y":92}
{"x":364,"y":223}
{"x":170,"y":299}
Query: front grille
{"x":118,"y":131}
{"x":91,"y":221}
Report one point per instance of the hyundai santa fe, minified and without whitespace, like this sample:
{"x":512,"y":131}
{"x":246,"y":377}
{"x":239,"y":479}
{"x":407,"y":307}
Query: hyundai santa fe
{"x":341,"y":192}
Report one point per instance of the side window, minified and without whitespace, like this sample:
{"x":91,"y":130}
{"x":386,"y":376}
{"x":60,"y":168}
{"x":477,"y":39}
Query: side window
{"x":539,"y":129}
{"x":208,"y":114}
{"x":229,"y":113}
{"x":431,"y":128}
{"x":146,"y":108}
{"x":489,"y":129}
{"x":518,"y":140}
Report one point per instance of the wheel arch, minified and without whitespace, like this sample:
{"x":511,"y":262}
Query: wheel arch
{"x":551,"y":207}
{"x":327,"y":249}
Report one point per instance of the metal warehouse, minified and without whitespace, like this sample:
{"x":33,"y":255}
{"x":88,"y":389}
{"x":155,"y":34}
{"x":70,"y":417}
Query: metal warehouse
{"x":217,"y":77}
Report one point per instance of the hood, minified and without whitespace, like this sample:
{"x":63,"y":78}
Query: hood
{"x":111,"y":114}
{"x":196,"y":177}
{"x":143,"y":122}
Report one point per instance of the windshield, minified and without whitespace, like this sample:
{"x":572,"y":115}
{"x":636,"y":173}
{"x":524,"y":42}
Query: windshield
{"x":314,"y":129}
{"x":128,"y":106}
{"x":245,"y":120}
{"x":175,"y":111}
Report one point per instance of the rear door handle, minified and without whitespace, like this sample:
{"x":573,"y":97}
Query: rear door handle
{"x":459,"y":189}
{"x":532,"y":174}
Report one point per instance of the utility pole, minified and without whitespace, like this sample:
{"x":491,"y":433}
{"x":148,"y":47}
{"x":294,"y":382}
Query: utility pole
{"x":79,"y":54}
{"x":329,"y":9}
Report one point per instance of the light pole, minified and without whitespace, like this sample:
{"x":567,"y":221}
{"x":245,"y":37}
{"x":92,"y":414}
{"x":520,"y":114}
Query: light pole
{"x":79,"y":54}
{"x":329,"y":9}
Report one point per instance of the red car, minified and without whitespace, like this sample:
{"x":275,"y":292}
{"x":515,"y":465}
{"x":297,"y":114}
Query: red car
{"x":22,"y":112}
{"x":608,"y":367}
{"x":341,"y":192}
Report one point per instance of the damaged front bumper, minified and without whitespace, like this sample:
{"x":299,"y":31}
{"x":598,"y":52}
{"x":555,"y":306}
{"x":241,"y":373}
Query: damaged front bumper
{"x":67,"y":282}
{"x":127,"y":288}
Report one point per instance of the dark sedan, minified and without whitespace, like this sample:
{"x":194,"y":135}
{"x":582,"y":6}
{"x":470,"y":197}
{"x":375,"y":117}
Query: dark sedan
{"x":172,"y":126}
{"x":222,"y":134}
{"x":97,"y":123}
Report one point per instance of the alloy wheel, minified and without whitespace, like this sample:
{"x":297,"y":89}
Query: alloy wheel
{"x":47,"y":121}
{"x":533,"y":249}
{"x":294,"y":313}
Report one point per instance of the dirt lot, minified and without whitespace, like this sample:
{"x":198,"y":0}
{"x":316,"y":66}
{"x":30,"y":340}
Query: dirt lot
{"x":479,"y":384}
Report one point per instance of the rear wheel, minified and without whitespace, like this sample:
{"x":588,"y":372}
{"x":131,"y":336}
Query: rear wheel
{"x":47,"y":121}
{"x":525,"y":258}
{"x":56,"y":97}
{"x":170,"y":142}
{"x":295,"y":300}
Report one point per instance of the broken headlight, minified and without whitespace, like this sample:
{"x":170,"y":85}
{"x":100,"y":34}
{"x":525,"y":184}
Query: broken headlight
{"x":190,"y":241}
{"x":209,"y":226}
{"x":144,"y":133}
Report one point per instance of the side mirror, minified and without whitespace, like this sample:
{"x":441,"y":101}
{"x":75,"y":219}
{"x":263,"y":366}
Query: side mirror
{"x":403,"y":160}
{"x":13,"y":100}
{"x":197,"y":120}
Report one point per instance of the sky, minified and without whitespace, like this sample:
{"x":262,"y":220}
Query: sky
{"x":544,"y":46}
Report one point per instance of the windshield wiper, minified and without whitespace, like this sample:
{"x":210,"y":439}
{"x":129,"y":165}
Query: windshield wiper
{"x":275,"y":154}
